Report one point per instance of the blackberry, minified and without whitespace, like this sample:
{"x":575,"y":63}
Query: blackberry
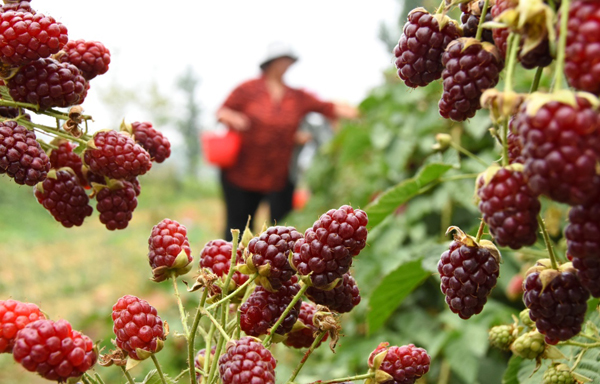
{"x":582,"y":59}
{"x":404,"y":364}
{"x":64,"y":198}
{"x":556,"y":301}
{"x":116,"y":204}
{"x":508,"y":206}
{"x":303,"y":335}
{"x":419,"y":50}
{"x":470,"y":67}
{"x":247,"y":361}
{"x":469,"y":271}
{"x":21,"y":156}
{"x":263,"y":309}
{"x":342,"y":298}
{"x":470,"y":16}
{"x":560,"y":147}
{"x":157,"y":145}
{"x":63,"y":156}
{"x":169,"y":250}
{"x":90,"y":57}
{"x":216,"y":256}
{"x":14,"y":316}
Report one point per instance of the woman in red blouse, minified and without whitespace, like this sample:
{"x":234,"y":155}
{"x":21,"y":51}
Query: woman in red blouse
{"x":267,"y":113}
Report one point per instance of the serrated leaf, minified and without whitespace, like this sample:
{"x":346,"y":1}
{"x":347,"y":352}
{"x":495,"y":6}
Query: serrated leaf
{"x":154,"y":378}
{"x":391,"y":199}
{"x":462,"y":361}
{"x":392,"y":290}
{"x":511,"y":375}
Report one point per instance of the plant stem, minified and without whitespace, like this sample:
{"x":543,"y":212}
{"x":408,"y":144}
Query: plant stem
{"x":464,"y":151}
{"x":182,"y":315}
{"x":536,"y":80}
{"x":234,"y":293}
{"x":235,"y":234}
{"x":459,"y":177}
{"x":581,"y":345}
{"x":444,"y":377}
{"x":213,"y":367}
{"x":208,"y":348}
{"x":579,"y":357}
{"x":314,"y":345}
{"x":99,"y":378}
{"x":158,"y":368}
{"x":127,"y":375}
{"x":176,"y":379}
{"x":192,"y":335}
{"x":349,"y":378}
{"x":215,"y":322}
{"x":480,"y":231}
{"x":290,"y":306}
{"x":514,"y":40}
{"x":505,"y":160}
{"x":559,"y":71}
{"x":547,"y":241}
{"x":86,"y":380}
{"x":486,"y":4}
{"x":441,"y":7}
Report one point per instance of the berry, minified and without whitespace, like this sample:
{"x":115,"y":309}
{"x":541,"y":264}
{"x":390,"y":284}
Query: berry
{"x":12,"y":112}
{"x":470,"y":16}
{"x":419,"y":50}
{"x":556,"y":301}
{"x":169,"y":250}
{"x":341,"y":299}
{"x":515,"y":148}
{"x":247,"y":361}
{"x":14,"y":316}
{"x":116,"y":156}
{"x":558,"y":374}
{"x":269,"y":256}
{"x":116,"y":204}
{"x":21,"y":156}
{"x":199,"y":361}
{"x":582,"y":61}
{"x":560,"y":146}
{"x":27,"y":36}
{"x":63,"y":156}
{"x":216,"y":256}
{"x":304,"y":336}
{"x":64,"y":198}
{"x":90,"y":57}
{"x":263,"y":309}
{"x":17,"y":6}
{"x":157,"y":145}
{"x":138,"y":327}
{"x":48,"y":83}
{"x":508,"y":206}
{"x":327,"y":248}
{"x":54,"y":350}
{"x":502,"y":336}
{"x":529,"y":345}
{"x":470,"y":67}
{"x":404,"y":364}
{"x":525,"y":319}
{"x":469,"y":271}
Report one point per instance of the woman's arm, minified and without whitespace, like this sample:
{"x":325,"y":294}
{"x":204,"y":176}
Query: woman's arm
{"x":345,"y":111}
{"x":234,"y":119}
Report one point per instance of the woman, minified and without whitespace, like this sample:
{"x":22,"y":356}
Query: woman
{"x":267,"y":113}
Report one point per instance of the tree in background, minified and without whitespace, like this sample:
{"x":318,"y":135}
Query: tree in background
{"x":188,"y":124}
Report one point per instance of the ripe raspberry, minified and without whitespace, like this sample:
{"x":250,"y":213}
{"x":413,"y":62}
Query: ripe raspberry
{"x":138,"y":327}
{"x":116,"y":204}
{"x":169,"y":250}
{"x":582,"y":63}
{"x":508,"y":206}
{"x":14,"y":316}
{"x":502,"y":336}
{"x":247,"y":361}
{"x":48,"y":83}
{"x":515,"y":148}
{"x":419,"y":50}
{"x":469,"y":272}
{"x":63,"y":156}
{"x":216,"y":256}
{"x":529,"y":345}
{"x":470,"y":16}
{"x":64,"y":198}
{"x":157,"y":145}
{"x":199,"y":361}
{"x":341,"y":299}
{"x":54,"y":350}
{"x":404,"y":364}
{"x":470,"y":67}
{"x":558,"y":374}
{"x":556,"y":301}
{"x":116,"y":156}
{"x":90,"y":57}
{"x":269,"y":256}
{"x":263,"y":309}
{"x":560,"y":146}
{"x":305,"y":335}
{"x":327,"y":248}
{"x":17,"y":6}
{"x":29,"y":36}
{"x":21,"y":156}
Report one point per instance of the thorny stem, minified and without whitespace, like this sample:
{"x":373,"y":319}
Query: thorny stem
{"x":559,"y":71}
{"x":209,"y":348}
{"x":182,"y":315}
{"x":51,"y":131}
{"x":235,"y":233}
{"x":349,"y":378}
{"x":579,"y":357}
{"x":547,"y":241}
{"x":440,"y":9}
{"x":127,"y":375}
{"x":213,"y":367}
{"x":86,"y":380}
{"x":466,"y":152}
{"x":234,"y":293}
{"x":505,"y":160}
{"x":581,"y":345}
{"x":480,"y":231}
{"x":290,"y":306}
{"x":215,"y":322}
{"x":314,"y":345}
{"x":192,"y":335}
{"x":99,"y":378}
{"x":158,"y":368}
{"x":536,"y":80}
{"x":176,"y":379}
{"x":482,"y":20}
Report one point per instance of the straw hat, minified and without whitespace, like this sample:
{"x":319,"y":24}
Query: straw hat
{"x":275,"y":51}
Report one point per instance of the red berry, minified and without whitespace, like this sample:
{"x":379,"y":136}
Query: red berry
{"x":304,"y":336}
{"x":342,"y":298}
{"x":582,"y":58}
{"x":560,"y":147}
{"x":54,"y":350}
{"x":137,"y":327}
{"x":216,"y":256}
{"x":470,"y":67}
{"x":48,"y":83}
{"x":469,"y":271}
{"x":117,"y":156}
{"x":470,"y":16}
{"x":199,"y":361}
{"x":515,"y":147}
{"x":116,"y":205}
{"x":90,"y":57}
{"x":168,"y":240}
{"x":247,"y":361}
{"x":14,"y":316}
{"x":404,"y":364}
{"x":63,"y":156}
{"x":263,"y":309}
{"x":17,"y":6}
{"x":21,"y":156}
{"x":157,"y":145}
{"x":64,"y":198}
{"x":26,"y":37}
{"x":419,"y":50}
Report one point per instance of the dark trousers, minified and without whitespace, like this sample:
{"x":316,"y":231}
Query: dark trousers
{"x":240,"y":203}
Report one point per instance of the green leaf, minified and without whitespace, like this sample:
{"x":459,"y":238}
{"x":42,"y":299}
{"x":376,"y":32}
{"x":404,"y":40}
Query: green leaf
{"x":392,"y":291}
{"x":511,"y":375}
{"x":154,"y":378}
{"x":391,"y":199}
{"x":462,"y":360}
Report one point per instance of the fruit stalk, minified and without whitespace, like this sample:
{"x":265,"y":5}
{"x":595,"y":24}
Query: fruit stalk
{"x":349,"y":378}
{"x":158,"y":368}
{"x":486,"y":4}
{"x":97,"y":376}
{"x":192,"y":336}
{"x":213,"y":368}
{"x":580,"y":345}
{"x":234,"y":293}
{"x":547,"y":241}
{"x":514,"y":41}
{"x":467,"y":153}
{"x":536,"y":80}
{"x":216,"y":323}
{"x":267,"y":341}
{"x":559,"y":71}
{"x":127,"y":375}
{"x":480,"y":231}
{"x":182,"y":314}
{"x":312,"y":347}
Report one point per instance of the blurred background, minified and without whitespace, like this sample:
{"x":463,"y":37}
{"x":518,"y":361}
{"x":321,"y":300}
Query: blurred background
{"x":173,"y":64}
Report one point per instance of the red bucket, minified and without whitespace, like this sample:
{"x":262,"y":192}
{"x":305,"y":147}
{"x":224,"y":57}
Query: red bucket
{"x":221,"y":149}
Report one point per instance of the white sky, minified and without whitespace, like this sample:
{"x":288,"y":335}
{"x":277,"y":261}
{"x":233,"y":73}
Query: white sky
{"x":224,"y":40}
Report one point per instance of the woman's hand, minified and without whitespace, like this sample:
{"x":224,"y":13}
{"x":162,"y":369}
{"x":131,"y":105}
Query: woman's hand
{"x":345,"y":111}
{"x":233,"y":119}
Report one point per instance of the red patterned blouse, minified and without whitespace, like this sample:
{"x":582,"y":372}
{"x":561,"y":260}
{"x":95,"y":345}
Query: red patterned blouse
{"x":267,"y":145}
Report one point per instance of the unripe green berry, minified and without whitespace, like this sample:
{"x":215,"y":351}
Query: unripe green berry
{"x":525,"y":319}
{"x":502,"y":336}
{"x":529,"y":345}
{"x":558,"y":374}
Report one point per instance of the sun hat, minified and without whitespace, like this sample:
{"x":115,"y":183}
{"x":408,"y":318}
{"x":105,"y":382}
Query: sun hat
{"x":276,"y":50}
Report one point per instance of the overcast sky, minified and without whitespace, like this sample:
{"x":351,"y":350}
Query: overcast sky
{"x":224,"y":40}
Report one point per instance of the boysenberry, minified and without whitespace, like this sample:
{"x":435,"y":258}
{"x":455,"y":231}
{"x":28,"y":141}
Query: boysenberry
{"x":216,"y":256}
{"x":404,"y":364}
{"x":116,"y":204}
{"x":304,"y":332}
{"x":342,"y":298}
{"x":153,"y":141}
{"x":14,"y":316}
{"x":169,"y":250}
{"x":21,"y":156}
{"x":582,"y":59}
{"x":247,"y":361}
{"x":90,"y":57}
